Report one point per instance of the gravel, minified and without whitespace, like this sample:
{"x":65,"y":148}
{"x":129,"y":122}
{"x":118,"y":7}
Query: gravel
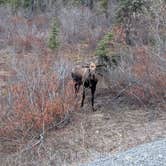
{"x":150,"y":154}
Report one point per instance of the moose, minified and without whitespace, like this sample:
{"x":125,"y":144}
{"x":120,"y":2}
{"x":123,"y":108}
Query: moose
{"x":86,"y":76}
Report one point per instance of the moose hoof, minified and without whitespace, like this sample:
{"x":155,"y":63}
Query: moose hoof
{"x":82,"y":109}
{"x":94,"y":109}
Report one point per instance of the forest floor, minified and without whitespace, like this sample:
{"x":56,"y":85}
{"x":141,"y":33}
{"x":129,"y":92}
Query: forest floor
{"x":115,"y":126}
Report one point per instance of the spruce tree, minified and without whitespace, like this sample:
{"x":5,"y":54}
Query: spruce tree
{"x":53,"y":42}
{"x":127,"y":12}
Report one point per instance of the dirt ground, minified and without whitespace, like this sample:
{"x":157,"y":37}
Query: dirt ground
{"x":116,"y":126}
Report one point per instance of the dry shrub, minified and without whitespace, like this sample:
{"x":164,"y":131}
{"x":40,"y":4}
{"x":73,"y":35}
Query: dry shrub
{"x":140,"y":76}
{"x":148,"y":70}
{"x":40,"y":96}
{"x":119,"y":34}
{"x":27,"y":35}
{"x":28,"y":43}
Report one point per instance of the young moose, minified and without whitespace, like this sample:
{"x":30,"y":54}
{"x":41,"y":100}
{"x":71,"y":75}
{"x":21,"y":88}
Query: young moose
{"x":87,"y":77}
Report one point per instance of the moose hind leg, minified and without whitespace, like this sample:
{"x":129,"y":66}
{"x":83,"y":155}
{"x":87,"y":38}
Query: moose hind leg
{"x":76,"y":87}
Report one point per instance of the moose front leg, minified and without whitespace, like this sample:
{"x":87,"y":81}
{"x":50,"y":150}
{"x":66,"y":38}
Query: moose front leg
{"x":93,"y":89}
{"x":83,"y":97}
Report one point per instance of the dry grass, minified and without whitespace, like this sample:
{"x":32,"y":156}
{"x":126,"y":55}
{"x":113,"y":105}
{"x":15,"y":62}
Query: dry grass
{"x":116,"y":126}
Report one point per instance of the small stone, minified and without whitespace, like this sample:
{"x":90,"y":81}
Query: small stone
{"x":97,"y":131}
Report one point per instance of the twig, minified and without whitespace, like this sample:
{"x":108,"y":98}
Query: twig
{"x":41,"y":140}
{"x":138,"y":99}
{"x":123,"y":90}
{"x":57,"y":125}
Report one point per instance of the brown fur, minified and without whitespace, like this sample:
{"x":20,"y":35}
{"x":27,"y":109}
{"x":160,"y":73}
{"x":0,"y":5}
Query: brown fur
{"x":87,"y":77}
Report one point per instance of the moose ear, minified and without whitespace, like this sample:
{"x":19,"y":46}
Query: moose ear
{"x":92,"y":66}
{"x":85,"y":66}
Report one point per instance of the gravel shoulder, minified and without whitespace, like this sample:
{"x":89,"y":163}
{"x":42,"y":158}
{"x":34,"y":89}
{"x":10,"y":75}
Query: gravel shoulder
{"x":150,"y":154}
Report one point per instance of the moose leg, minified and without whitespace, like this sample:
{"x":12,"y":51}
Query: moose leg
{"x":93,"y":89}
{"x":83,"y":98}
{"x":76,"y":87}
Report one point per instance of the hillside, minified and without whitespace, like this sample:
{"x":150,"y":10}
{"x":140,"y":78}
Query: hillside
{"x":41,"y":122}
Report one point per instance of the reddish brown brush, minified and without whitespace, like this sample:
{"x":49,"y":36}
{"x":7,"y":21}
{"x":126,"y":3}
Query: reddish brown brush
{"x":152,"y":79}
{"x":27,"y":35}
{"x":37,"y":100}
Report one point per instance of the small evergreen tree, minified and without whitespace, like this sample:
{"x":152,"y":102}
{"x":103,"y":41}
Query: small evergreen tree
{"x":127,"y":8}
{"x":15,"y":4}
{"x":88,"y":3}
{"x":27,"y":3}
{"x":104,"y":53}
{"x":104,"y":6}
{"x":2,"y":2}
{"x":103,"y":45}
{"x":53,"y":42}
{"x":127,"y":12}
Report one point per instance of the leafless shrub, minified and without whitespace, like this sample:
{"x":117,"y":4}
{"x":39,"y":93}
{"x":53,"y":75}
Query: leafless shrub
{"x":39,"y":98}
{"x":79,"y":24}
{"x":140,"y":76}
